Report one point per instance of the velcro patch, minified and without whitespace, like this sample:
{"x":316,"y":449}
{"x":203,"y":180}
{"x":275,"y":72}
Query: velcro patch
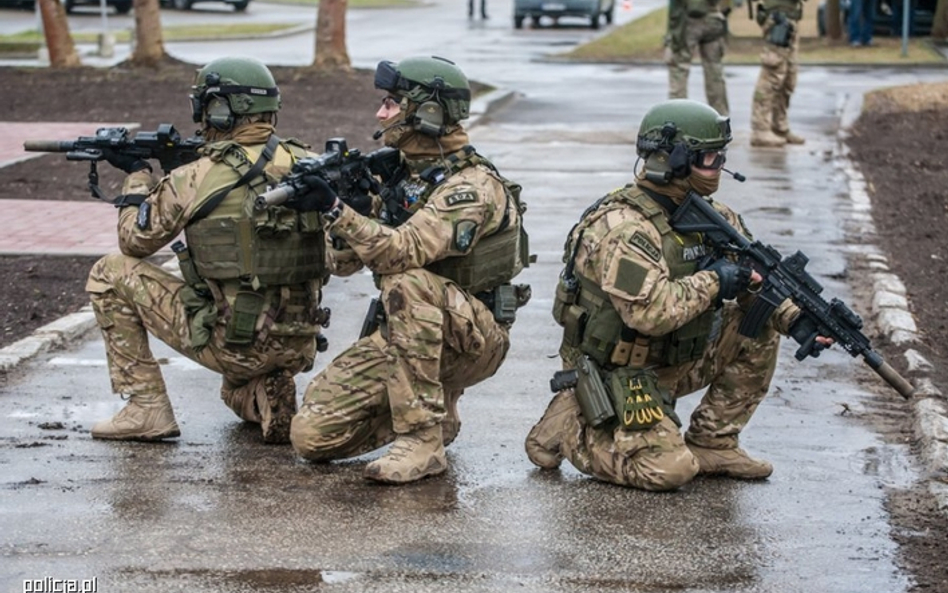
{"x":630,"y":277}
{"x":460,"y":198}
{"x":643,"y":243}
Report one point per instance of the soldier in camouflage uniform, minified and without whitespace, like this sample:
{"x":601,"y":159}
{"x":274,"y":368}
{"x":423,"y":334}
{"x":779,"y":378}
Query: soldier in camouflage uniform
{"x":248,"y":308}
{"x":649,"y":315}
{"x":778,"y":73}
{"x":697,"y":26}
{"x":443,"y":247}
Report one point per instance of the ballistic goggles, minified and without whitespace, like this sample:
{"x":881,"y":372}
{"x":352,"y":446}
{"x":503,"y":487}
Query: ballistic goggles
{"x":710,"y":160}
{"x":388,"y":78}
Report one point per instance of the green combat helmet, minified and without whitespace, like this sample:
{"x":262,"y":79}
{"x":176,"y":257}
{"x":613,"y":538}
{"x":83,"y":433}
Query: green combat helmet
{"x":436,"y":85}
{"x":678,"y":133}
{"x":231,"y":87}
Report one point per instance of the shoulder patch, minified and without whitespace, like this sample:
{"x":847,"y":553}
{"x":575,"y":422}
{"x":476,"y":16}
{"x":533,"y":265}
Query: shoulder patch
{"x":644,"y":244}
{"x":460,"y":198}
{"x":464,"y":232}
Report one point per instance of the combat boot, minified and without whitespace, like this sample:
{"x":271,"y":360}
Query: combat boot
{"x":790,"y":137}
{"x":412,"y":456}
{"x":731,"y":463}
{"x":275,"y":397}
{"x":543,"y":440}
{"x":767,"y":139}
{"x":144,"y":418}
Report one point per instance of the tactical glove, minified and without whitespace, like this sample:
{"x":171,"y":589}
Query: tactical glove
{"x":732,"y":278}
{"x":125,"y":162}
{"x":313,"y":194}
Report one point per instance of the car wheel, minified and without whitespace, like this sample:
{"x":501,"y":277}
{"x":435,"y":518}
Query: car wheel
{"x":518,"y":22}
{"x":594,"y":21}
{"x":241,"y":6}
{"x":122,"y":7}
{"x":182,"y":4}
{"x":609,"y":14}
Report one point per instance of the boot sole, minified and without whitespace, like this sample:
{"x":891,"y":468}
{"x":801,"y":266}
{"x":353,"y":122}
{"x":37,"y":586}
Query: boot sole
{"x":146,"y":437}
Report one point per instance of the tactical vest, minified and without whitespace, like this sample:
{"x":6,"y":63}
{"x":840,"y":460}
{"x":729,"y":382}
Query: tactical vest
{"x":496,"y":258}
{"x":593,"y":326}
{"x":792,"y":8}
{"x":259,"y":260}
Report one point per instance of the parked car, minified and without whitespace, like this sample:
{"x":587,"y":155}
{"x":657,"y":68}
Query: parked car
{"x":239,"y":5}
{"x":121,"y":6}
{"x":591,"y":9}
{"x":888,"y":15}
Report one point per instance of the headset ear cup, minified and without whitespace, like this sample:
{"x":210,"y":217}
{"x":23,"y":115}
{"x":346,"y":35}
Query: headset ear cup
{"x":429,"y":119}
{"x":218,"y":115}
{"x":679,"y":161}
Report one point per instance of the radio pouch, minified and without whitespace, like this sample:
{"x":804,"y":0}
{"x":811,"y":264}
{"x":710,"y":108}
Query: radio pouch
{"x":241,"y":326}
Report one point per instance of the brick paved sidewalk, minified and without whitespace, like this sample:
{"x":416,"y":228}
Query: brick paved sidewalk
{"x":39,"y":226}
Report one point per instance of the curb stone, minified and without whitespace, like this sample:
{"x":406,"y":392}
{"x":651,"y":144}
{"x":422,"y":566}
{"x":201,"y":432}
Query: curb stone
{"x":76,"y":325}
{"x":890,"y":308}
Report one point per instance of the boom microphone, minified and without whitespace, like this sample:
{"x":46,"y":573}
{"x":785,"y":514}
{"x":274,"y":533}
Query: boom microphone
{"x":735,"y":175}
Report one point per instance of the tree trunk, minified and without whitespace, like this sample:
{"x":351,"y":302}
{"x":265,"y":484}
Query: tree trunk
{"x":62,"y":51}
{"x":331,"y":51}
{"x":940,"y":21}
{"x":834,"y":29}
{"x":149,"y":49}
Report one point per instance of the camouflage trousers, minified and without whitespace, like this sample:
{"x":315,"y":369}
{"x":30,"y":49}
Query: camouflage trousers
{"x":775,"y":85}
{"x":437,"y":341}
{"x":737,"y":372}
{"x":706,"y":36}
{"x":133,"y":298}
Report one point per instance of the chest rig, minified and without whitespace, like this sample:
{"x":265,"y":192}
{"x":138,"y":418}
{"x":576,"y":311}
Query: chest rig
{"x":493,"y":260}
{"x":591,"y":324}
{"x":262,"y":268}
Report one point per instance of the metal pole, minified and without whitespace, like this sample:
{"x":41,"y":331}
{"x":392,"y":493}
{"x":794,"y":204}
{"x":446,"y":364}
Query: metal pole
{"x":906,"y":9}
{"x":106,"y":41}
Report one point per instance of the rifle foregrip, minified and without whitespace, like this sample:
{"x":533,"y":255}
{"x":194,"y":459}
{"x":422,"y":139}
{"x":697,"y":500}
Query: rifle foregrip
{"x":47,"y":146}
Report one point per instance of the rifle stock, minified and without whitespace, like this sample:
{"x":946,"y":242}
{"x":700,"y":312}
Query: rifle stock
{"x":786,"y":277}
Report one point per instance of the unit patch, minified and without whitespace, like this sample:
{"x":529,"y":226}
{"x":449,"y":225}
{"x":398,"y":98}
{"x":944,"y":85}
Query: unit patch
{"x":460,"y":198}
{"x":464,"y":232}
{"x":643,"y":243}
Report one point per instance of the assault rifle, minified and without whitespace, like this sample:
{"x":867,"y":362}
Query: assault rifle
{"x":164,"y":145}
{"x":785,"y":277}
{"x":350,"y":174}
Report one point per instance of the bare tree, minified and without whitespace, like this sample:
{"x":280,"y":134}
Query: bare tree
{"x":940,"y":21}
{"x":331,"y":53}
{"x":62,"y":50}
{"x":834,"y":28}
{"x":149,"y":48}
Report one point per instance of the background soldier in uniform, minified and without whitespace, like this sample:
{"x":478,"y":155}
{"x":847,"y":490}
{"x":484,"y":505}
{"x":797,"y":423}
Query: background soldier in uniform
{"x":778,"y":73}
{"x":249,"y":306}
{"x":648,"y":316}
{"x":444,"y":248}
{"x":697,"y":26}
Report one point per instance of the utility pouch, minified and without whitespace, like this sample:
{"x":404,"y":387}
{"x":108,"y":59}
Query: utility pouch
{"x":782,"y":31}
{"x":638,"y":398}
{"x":504,"y":304}
{"x":591,"y":393}
{"x":188,"y":270}
{"x":243,"y":320}
{"x":574,"y":322}
{"x":564,"y":297}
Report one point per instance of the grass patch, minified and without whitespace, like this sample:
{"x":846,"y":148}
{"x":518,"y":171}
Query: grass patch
{"x":641,"y":41}
{"x":351,"y":3}
{"x":168,"y":33}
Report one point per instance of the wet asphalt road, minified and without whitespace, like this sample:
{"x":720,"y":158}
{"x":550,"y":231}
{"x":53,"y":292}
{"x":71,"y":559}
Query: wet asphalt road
{"x":217,"y":511}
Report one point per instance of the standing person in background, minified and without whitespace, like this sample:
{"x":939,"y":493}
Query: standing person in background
{"x":470,"y":9}
{"x":697,"y":26}
{"x":779,"y":20}
{"x":862,"y":15}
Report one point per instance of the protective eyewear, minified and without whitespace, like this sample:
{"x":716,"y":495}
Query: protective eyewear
{"x":389,"y":102}
{"x":710,"y":160}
